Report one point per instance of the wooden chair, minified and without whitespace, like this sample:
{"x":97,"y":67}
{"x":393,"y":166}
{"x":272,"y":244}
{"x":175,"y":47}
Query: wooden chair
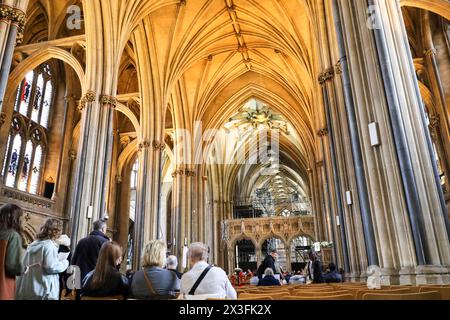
{"x":71,"y":296}
{"x":360,"y":293}
{"x":256,"y":297}
{"x":321,"y":297}
{"x":318,"y":294}
{"x":432,"y":295}
{"x":273,"y":295}
{"x":103,"y":298}
{"x":443,"y":291}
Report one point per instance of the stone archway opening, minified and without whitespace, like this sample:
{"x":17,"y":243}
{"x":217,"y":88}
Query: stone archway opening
{"x":279,"y":245}
{"x":299,"y":248}
{"x":245,"y":257}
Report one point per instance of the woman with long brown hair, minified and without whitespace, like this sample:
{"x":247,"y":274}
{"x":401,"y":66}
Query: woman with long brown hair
{"x":41,"y":278}
{"x":106,"y":279}
{"x":10,"y":249}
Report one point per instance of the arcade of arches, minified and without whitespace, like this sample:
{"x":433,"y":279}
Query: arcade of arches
{"x":243,"y":124}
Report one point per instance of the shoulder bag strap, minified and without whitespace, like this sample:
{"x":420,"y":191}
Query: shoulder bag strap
{"x":199,"y":280}
{"x":149,"y":285}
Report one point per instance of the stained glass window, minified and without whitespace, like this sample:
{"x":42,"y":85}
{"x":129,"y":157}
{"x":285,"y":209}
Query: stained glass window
{"x":32,"y":113}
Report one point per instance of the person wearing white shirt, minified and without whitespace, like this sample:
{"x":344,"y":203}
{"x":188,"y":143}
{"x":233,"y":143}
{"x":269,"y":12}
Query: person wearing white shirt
{"x":215,"y":283}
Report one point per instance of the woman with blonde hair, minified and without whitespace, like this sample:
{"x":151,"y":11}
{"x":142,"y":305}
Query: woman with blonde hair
{"x":153,"y":282}
{"x":41,"y":278}
{"x":106,"y":280}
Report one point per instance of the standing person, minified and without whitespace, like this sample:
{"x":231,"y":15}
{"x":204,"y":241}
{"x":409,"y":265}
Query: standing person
{"x":153,"y":282}
{"x":172,"y":264}
{"x":204,"y":281}
{"x":269,"y":262}
{"x":64,"y":248}
{"x":87,"y":250}
{"x":10,"y":250}
{"x":317,"y":269}
{"x":41,"y":278}
{"x":106,"y":280}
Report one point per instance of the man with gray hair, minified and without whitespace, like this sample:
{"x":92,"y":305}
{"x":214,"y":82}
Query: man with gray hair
{"x":87,"y":250}
{"x":204,"y":281}
{"x":172,"y":264}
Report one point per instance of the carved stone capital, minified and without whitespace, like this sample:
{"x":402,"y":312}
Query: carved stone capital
{"x":435,"y":123}
{"x":322,"y":132}
{"x":430,"y":52}
{"x":89,"y":97}
{"x":338,"y":68}
{"x":326,"y":76}
{"x":118,"y":179}
{"x":184,"y":171}
{"x":72,"y":155}
{"x":157,"y":145}
{"x":108,"y":101}
{"x":183,"y":3}
{"x":2,"y":119}
{"x":144,"y":145}
{"x":14,"y":16}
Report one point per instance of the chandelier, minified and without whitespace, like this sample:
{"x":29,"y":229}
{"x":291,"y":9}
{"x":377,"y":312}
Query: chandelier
{"x":257,"y":116}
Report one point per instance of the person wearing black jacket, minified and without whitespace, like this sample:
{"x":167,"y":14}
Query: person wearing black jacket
{"x":87,"y":250}
{"x":269,"y":262}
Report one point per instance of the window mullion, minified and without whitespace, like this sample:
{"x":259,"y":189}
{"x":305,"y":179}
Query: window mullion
{"x":44,"y":89}
{"x":30,"y":169}
{"x":32,"y":95}
{"x":8,"y":156}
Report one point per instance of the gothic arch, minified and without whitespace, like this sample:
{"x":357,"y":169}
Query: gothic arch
{"x":439,"y":7}
{"x":40,"y":57}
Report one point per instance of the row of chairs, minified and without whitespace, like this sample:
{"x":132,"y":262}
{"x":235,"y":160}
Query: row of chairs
{"x":345,"y":292}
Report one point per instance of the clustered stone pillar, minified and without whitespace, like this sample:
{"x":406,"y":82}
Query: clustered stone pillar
{"x":146,"y":226}
{"x":12,"y":25}
{"x":399,"y":198}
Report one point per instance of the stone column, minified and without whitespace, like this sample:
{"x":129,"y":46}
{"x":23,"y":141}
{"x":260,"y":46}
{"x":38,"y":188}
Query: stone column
{"x":355,"y":143}
{"x":148,"y":196}
{"x":418,"y":166}
{"x":12,"y":25}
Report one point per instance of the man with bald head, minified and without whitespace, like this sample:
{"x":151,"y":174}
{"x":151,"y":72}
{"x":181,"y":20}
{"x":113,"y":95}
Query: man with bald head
{"x":203,"y":280}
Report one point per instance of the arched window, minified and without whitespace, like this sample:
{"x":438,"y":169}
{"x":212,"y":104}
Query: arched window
{"x":27,"y":142}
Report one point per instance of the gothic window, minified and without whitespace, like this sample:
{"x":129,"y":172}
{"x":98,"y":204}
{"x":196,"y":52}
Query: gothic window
{"x":27,"y":142}
{"x":133,"y":186}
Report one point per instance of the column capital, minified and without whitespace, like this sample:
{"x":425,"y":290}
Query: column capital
{"x":430,"y":52}
{"x":72,"y":155}
{"x":326,"y":75}
{"x":144,"y":144}
{"x":16,"y":17}
{"x":89,"y":97}
{"x":157,"y":145}
{"x":70,"y":98}
{"x":184,"y":171}
{"x":338,"y":67}
{"x":322,"y":132}
{"x":118,"y":179}
{"x":108,"y":101}
{"x":2,"y":119}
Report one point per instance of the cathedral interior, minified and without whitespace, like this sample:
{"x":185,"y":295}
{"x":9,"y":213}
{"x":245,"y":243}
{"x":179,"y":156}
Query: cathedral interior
{"x":243,"y":124}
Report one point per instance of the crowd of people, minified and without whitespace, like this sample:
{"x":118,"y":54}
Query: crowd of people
{"x":40,"y":272}
{"x":270,"y":273}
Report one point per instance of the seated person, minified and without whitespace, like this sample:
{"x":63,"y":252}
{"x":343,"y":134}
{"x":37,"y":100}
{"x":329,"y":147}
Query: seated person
{"x":269,"y":279}
{"x":254,"y":281}
{"x":106,"y":280}
{"x":333,"y":275}
{"x":154,"y":282}
{"x":297,"y":279}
